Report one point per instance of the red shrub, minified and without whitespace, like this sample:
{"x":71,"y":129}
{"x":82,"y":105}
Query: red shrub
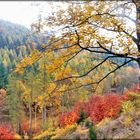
{"x":107,"y":106}
{"x":89,"y":105}
{"x":97,"y":108}
{"x":5,"y":133}
{"x":25,"y":126}
{"x":98,"y":111}
{"x":136,"y":89}
{"x":126,"y":97}
{"x":68,"y":118}
{"x":112,"y":105}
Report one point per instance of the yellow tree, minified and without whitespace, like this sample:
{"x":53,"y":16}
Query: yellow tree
{"x":110,"y":29}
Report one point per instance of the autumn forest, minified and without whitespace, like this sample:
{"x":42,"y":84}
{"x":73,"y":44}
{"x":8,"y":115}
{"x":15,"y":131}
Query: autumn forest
{"x":74,"y":74}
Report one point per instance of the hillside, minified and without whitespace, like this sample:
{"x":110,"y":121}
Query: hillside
{"x":74,"y":75}
{"x":12,"y":35}
{"x":109,"y":116}
{"x":16,"y":42}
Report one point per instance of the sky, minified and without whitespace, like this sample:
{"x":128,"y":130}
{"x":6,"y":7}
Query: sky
{"x":27,"y":12}
{"x":24,"y":12}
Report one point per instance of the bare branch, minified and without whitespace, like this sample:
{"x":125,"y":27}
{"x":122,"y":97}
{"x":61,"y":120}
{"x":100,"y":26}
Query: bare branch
{"x":116,"y":54}
{"x":85,"y":74}
{"x":117,"y":15}
{"x":114,"y":71}
{"x":115,"y":30}
{"x":97,"y":83}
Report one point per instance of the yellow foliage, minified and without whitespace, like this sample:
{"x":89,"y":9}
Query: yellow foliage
{"x":127,"y":106}
{"x":51,"y":87}
{"x":55,"y":64}
{"x":40,"y":98}
{"x":44,"y":134}
{"x":137,"y":102}
{"x":63,"y":87}
{"x":65,"y":72}
{"x":136,"y":98}
{"x":61,"y":133}
{"x":57,"y":134}
{"x":17,"y":136}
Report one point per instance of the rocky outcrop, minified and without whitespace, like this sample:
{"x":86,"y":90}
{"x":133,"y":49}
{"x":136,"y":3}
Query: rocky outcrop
{"x":117,"y":129}
{"x":80,"y":133}
{"x":72,"y":132}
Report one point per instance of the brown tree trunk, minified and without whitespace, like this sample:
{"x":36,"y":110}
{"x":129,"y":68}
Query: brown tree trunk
{"x":45,"y":113}
{"x":30,"y":121}
{"x":137,"y":4}
{"x":43,"y":117}
{"x":35,"y":114}
{"x":30,"y":114}
{"x":19,"y":109}
{"x":139,"y":75}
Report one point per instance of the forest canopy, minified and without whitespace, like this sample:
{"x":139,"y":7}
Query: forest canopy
{"x":104,"y":29}
{"x":79,"y":70}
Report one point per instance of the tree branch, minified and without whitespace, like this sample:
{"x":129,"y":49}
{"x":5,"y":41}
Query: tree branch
{"x":116,"y":54}
{"x":92,"y":83}
{"x":85,"y":74}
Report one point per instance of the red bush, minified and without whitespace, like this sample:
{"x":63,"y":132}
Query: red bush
{"x":106,"y":106}
{"x":112,"y":105}
{"x":97,"y":108}
{"x":136,"y":89}
{"x":98,"y":111}
{"x":68,"y":118}
{"x":5,"y":133}
{"x":25,"y":126}
{"x":126,"y":97}
{"x":90,"y":104}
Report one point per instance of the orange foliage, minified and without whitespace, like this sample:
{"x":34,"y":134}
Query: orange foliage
{"x":99,"y":107}
{"x":88,"y":106}
{"x":68,"y":118}
{"x":136,"y":89}
{"x":126,"y":97}
{"x":5,"y":133}
{"x":112,"y":105}
{"x":25,"y":126}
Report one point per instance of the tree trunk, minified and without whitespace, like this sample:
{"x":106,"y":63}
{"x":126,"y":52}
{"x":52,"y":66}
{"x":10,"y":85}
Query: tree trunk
{"x":20,"y":132}
{"x":45,"y":113}
{"x":42,"y":117}
{"x":35,"y":114}
{"x":30,"y":121}
{"x":137,"y":4}
{"x":138,"y":75}
{"x":44,"y":102}
{"x":30,"y":114}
